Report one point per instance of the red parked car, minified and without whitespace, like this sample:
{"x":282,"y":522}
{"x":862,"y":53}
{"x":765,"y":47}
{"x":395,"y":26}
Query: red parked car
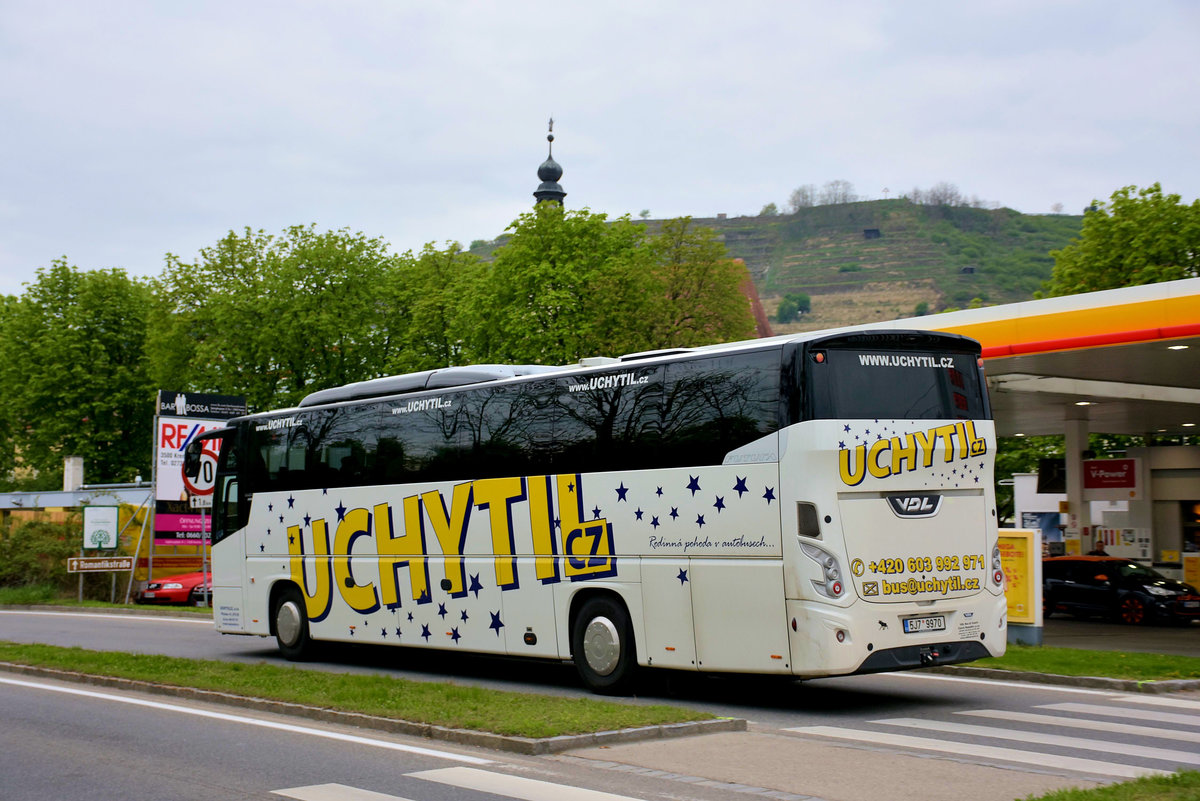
{"x":186,"y":588}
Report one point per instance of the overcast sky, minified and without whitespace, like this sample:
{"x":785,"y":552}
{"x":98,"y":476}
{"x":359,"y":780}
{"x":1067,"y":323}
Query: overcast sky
{"x":133,"y":129}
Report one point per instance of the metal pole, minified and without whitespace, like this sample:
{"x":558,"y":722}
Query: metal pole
{"x":203,"y":552}
{"x":137,"y":550}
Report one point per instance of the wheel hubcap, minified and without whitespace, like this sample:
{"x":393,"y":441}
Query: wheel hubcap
{"x":601,"y":645}
{"x":287,"y":623}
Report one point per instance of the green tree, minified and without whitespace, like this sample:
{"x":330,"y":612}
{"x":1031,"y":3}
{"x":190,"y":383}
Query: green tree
{"x":74,"y":369}
{"x":565,"y":285}
{"x":792,"y":306}
{"x":433,"y":296}
{"x":769,"y":210}
{"x":276,"y":317}
{"x":1141,"y":236}
{"x":699,"y":288}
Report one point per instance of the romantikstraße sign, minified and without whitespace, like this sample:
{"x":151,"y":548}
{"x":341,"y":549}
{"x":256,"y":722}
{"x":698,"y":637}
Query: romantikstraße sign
{"x":99,"y":564}
{"x":179,"y":418}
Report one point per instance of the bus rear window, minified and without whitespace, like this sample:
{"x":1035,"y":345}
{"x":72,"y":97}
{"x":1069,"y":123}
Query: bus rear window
{"x":869,"y":383}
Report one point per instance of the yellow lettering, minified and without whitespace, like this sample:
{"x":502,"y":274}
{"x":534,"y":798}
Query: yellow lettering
{"x":946,"y":432}
{"x":541,"y":522}
{"x":318,"y":598}
{"x":498,"y":495}
{"x":406,"y":550}
{"x":927,"y":440}
{"x":450,"y":528}
{"x":873,"y":466}
{"x":904,"y":454}
{"x":846,"y":465}
{"x":360,"y":597}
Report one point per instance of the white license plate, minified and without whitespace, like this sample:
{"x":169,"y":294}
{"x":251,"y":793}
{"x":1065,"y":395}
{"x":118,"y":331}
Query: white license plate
{"x":1191,"y":604}
{"x":914,"y":625}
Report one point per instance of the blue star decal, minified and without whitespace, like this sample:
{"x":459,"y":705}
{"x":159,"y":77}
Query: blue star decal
{"x":442,"y":610}
{"x":769,"y":495}
{"x":846,"y":428}
{"x":638,"y":514}
{"x":307,"y":520}
{"x":464,"y":616}
{"x":341,"y":511}
{"x":694,"y":485}
{"x":621,"y":492}
{"x":654,"y":521}
{"x":291,"y":539}
{"x":397,"y":631}
{"x":496,"y":624}
{"x":352,"y":631}
{"x":281,"y":518}
{"x":475,"y":585}
{"x":291,"y":502}
{"x":674,"y":512}
{"x":682,"y":576}
{"x":425,"y":632}
{"x":262,"y":548}
{"x":720,"y":504}
{"x":841,"y":445}
{"x":454,"y":635}
{"x":571,"y":487}
{"x":740,"y":487}
{"x":596,"y":513}
{"x":410,"y":617}
{"x":383,"y":633}
{"x":700,"y":521}
{"x":270,"y":507}
{"x":658,"y":492}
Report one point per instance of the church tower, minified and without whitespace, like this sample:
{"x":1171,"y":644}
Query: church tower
{"x":548,"y":174}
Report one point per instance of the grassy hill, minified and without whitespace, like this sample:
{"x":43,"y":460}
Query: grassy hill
{"x":879,"y":259}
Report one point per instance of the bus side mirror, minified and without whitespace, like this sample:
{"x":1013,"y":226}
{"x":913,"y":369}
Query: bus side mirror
{"x":191,"y":458}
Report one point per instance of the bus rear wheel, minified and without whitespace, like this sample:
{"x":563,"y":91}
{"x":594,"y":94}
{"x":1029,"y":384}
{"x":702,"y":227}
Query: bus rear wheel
{"x":291,"y":626}
{"x":602,"y":646}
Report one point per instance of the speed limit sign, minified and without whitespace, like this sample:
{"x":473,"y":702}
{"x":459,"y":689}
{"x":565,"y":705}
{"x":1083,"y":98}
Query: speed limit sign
{"x":201,"y":484}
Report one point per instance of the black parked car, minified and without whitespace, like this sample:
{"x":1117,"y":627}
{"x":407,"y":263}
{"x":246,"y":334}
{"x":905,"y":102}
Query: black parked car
{"x":1084,"y":586}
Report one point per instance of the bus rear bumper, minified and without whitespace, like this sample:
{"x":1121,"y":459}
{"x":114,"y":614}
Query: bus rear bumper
{"x":826,"y":640}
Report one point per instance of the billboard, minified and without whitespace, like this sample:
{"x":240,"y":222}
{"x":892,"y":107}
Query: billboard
{"x":180,"y":418}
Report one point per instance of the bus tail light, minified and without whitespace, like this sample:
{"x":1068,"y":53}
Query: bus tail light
{"x":997,"y":567}
{"x":831,"y":584}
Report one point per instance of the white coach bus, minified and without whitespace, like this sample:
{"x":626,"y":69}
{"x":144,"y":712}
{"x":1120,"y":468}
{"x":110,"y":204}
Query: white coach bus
{"x":813,"y":505}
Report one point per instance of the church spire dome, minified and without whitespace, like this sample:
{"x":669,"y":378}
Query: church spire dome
{"x":548,"y":173}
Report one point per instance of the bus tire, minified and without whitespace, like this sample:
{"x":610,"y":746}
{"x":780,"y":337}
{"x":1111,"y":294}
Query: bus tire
{"x":290,"y":622}
{"x":602,"y":646}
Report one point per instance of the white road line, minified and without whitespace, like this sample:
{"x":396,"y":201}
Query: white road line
{"x":265,"y":724}
{"x":1081,"y":723}
{"x":1080,"y":743}
{"x":1020,"y":685}
{"x":203,"y":621}
{"x":1135,"y":714}
{"x":1086,"y":766}
{"x":334,"y":792}
{"x":514,"y":786}
{"x":1158,"y":700}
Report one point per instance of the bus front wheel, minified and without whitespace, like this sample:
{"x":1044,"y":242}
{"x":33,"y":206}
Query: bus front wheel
{"x":291,"y":625}
{"x":602,"y":646}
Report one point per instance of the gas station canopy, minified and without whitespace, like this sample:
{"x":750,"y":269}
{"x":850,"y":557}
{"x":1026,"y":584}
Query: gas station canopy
{"x":1125,"y":360}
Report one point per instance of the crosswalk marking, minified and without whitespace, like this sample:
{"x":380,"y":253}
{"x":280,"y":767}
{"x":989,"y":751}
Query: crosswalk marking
{"x":513,"y":786}
{"x":1087,"y":766}
{"x":334,"y":792}
{"x":1080,"y":743}
{"x":1158,"y":700}
{"x":1116,"y":712}
{"x":1081,"y":723}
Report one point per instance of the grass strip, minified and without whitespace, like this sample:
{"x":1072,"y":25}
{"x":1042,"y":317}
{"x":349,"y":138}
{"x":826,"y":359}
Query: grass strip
{"x":1108,"y":664}
{"x":442,"y":704}
{"x":1181,"y":786}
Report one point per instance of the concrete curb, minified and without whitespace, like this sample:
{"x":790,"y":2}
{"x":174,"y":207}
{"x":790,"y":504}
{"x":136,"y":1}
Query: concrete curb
{"x":529,"y":746}
{"x":1094,"y":682}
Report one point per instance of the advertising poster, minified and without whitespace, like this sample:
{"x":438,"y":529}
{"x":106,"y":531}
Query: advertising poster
{"x":1020,"y":584}
{"x":180,"y":418}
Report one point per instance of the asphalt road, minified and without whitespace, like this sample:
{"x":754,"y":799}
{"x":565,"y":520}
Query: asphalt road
{"x":1033,"y":737}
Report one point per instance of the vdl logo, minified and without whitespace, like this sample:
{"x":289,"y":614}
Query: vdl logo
{"x":915,"y":505}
